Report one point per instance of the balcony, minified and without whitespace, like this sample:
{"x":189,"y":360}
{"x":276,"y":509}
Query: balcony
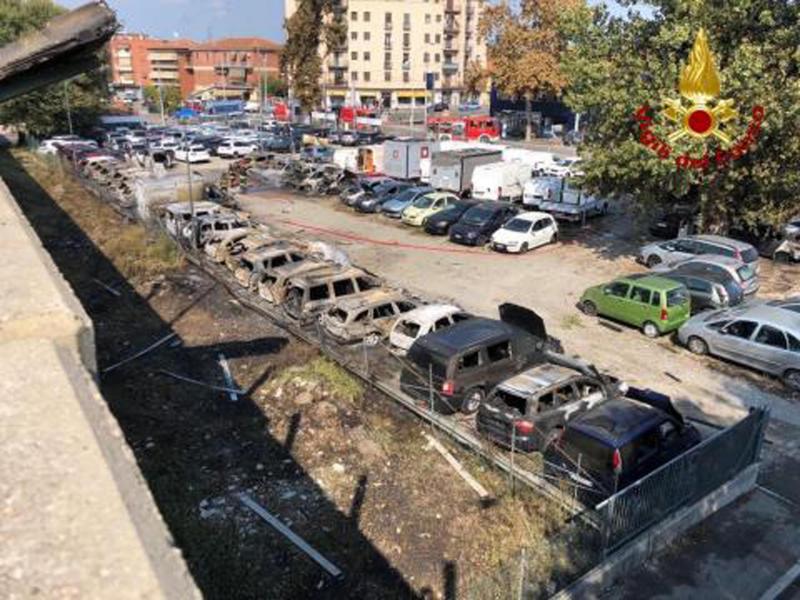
{"x":387,"y":45}
{"x":450,"y":47}
{"x":449,"y":67}
{"x":336,"y":81}
{"x":406,"y":66}
{"x":452,"y":6}
{"x":338,"y":63}
{"x":387,"y":25}
{"x":451,"y":26}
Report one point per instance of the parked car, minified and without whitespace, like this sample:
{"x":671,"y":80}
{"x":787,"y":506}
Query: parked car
{"x":791,"y":304}
{"x":530,"y":409}
{"x":193,"y":153}
{"x":348,"y":138}
{"x":309,"y":295}
{"x":236,"y":148}
{"x":709,"y":290}
{"x":541,"y":189}
{"x":438,"y":107}
{"x":272,"y":283}
{"x":277,"y":143}
{"x":780,"y":245}
{"x":254,"y":263}
{"x":673,"y":224}
{"x":469,"y":106}
{"x":360,"y":188}
{"x":256,"y":239}
{"x":618,"y":442}
{"x":478,"y":224}
{"x":416,"y":214}
{"x":215,"y":227}
{"x":317,"y":153}
{"x":563,"y":166}
{"x":421,"y":321}
{"x":743,"y":273}
{"x":439,"y":223}
{"x":395,"y":207}
{"x":674,"y":251}
{"x":367,"y":317}
{"x":654,"y":304}
{"x":524,"y":232}
{"x":373,"y":200}
{"x":761,"y":336}
{"x":463,"y":362}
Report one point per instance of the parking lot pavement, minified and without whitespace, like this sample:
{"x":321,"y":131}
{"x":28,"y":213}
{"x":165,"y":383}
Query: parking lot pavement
{"x":550,"y":280}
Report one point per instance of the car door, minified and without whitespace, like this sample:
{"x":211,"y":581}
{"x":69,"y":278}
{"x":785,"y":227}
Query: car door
{"x":733,"y":341}
{"x":638,"y":308}
{"x":770,"y":349}
{"x":683,"y":249}
{"x":500,"y":360}
{"x":614,"y":299}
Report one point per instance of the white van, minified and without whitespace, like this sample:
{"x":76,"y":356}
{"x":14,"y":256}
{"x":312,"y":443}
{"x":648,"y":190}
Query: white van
{"x":540,"y":190}
{"x":500,"y":181}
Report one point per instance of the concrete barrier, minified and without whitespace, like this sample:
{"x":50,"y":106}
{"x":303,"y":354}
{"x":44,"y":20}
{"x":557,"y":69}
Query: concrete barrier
{"x":76,"y":517}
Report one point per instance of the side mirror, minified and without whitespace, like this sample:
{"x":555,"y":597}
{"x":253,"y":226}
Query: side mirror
{"x":606,"y":290}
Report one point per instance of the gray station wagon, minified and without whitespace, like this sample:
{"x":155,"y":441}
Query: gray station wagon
{"x":682,"y":248}
{"x":762,"y":336}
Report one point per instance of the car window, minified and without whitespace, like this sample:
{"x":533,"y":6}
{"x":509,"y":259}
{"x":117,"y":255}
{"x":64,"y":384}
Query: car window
{"x":404,"y":306}
{"x":498,"y":352}
{"x":441,"y":324}
{"x":741,"y":329}
{"x":723,"y":250}
{"x":409,"y":328}
{"x":794,"y":343}
{"x":364,"y":284}
{"x":655,"y":300}
{"x":640,"y":294}
{"x":587,"y":388}
{"x":360,"y":317}
{"x":619,"y":289}
{"x":719,"y":324}
{"x":769,"y":336}
{"x":383,"y":311}
{"x":513,"y":401}
{"x":277,"y":261}
{"x":318,"y":292}
{"x":469,"y":361}
{"x":699,"y":285}
{"x":647,"y":445}
{"x":564,"y":394}
{"x":792,"y":307}
{"x":677,"y":297}
{"x":545,"y":402}
{"x":458,"y":317}
{"x":344,"y":287}
{"x":686,"y":246}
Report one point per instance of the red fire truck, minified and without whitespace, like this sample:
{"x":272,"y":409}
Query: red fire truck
{"x":475,"y":129}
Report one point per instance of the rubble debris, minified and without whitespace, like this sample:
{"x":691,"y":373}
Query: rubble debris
{"x":323,"y":562}
{"x":458,"y":467}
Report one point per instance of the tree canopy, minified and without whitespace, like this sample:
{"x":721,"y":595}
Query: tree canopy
{"x":43,"y":112}
{"x":618,"y":65}
{"x":170,"y":94}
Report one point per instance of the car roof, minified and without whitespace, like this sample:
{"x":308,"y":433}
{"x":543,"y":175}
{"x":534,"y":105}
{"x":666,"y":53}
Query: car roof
{"x":720,"y":239}
{"x":437,"y":195}
{"x":715,"y":259}
{"x":767,"y":313}
{"x":618,"y":421}
{"x":694,"y":270}
{"x":267,"y":252}
{"x":532,"y":216}
{"x":337,"y":271}
{"x":466,"y":334}
{"x":538,"y":378}
{"x":653,"y":282}
{"x":369,"y":299}
{"x":430,"y":312}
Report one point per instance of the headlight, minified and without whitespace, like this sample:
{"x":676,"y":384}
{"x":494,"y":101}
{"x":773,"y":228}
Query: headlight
{"x":472,"y":234}
{"x":441,"y":224}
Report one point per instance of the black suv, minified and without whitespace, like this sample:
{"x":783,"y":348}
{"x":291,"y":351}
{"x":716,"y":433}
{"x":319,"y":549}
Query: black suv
{"x":619,"y":442}
{"x":480,"y":222}
{"x":467,"y":359}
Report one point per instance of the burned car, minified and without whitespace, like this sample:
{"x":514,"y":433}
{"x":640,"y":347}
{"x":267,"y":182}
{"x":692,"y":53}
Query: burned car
{"x":324,"y":179}
{"x":465,"y":361}
{"x":529,"y":410}
{"x":254,"y":263}
{"x":216,"y":228}
{"x":310,"y":294}
{"x":272,"y":283}
{"x":367,"y":317}
{"x":238,"y":246}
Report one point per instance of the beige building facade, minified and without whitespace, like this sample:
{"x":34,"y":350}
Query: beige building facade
{"x":392,"y":45}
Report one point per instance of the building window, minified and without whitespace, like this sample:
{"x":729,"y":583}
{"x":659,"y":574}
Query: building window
{"x":367,"y":36}
{"x":406,"y":40}
{"x":426,"y":58}
{"x":366,"y":16}
{"x":427,"y":38}
{"x":354,"y":35}
{"x":354,"y":16}
{"x":387,"y":19}
{"x":354,"y":55}
{"x":438,"y":18}
{"x":438,"y":38}
{"x":406,"y":77}
{"x":427,"y":19}
{"x":366,"y":56}
{"x":366,"y":75}
{"x":387,"y":40}
{"x":436,"y":57}
{"x":387,"y":75}
{"x":354,"y":75}
{"x":406,"y":21}
{"x":436,"y":76}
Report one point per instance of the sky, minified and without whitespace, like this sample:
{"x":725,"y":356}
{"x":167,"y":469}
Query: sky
{"x":198,"y":19}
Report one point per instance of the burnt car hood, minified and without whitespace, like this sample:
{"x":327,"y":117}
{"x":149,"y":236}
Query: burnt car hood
{"x":523,"y":318}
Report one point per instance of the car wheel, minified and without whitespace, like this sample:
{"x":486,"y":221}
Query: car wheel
{"x":652,"y":261}
{"x":554,"y":238}
{"x":524,"y":248}
{"x":697,"y":345}
{"x":792,"y":379}
{"x":589,"y":308}
{"x":650,"y":329}
{"x":782,"y":258}
{"x":473,"y":398}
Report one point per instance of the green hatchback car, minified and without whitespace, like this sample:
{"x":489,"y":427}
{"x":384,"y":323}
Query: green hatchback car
{"x":654,"y":304}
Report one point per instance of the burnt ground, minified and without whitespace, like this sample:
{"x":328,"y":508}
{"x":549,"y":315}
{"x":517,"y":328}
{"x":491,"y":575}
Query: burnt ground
{"x":344,"y":467}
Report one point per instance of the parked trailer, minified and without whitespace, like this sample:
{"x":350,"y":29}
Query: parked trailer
{"x":452,"y":171}
{"x":575,"y":205}
{"x":500,"y":181}
{"x":401,"y":157}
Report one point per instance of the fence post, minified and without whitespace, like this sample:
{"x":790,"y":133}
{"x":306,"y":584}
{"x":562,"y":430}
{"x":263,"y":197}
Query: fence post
{"x":366,"y":359}
{"x":430,"y":391}
{"x":521,"y":574}
{"x":513,"y":449}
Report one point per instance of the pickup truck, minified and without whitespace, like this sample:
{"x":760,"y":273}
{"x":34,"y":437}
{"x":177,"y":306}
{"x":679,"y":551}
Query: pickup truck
{"x":575,"y":205}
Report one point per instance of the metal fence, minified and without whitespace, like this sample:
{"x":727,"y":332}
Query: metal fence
{"x":683,"y":480}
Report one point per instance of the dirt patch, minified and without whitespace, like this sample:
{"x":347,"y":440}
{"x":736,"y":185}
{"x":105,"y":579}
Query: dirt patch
{"x":341,"y":465}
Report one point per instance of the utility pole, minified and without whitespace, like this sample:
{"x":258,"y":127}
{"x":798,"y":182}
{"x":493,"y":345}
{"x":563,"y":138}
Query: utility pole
{"x":66,"y":107}
{"x":161,"y":103}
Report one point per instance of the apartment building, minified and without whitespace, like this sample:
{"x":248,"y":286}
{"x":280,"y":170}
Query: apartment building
{"x":392,"y":45}
{"x":226,"y":68}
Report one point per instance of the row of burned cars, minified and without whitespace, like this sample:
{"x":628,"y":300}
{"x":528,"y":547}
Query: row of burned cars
{"x":507,"y":371}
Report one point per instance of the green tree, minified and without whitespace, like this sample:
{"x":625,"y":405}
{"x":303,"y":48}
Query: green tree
{"x":616,"y":65}
{"x":43,"y":112}
{"x":171,"y":95}
{"x":524,"y":44}
{"x":475,"y":79}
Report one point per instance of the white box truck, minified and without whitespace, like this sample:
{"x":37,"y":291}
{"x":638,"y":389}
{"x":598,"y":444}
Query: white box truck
{"x":540,"y":190}
{"x":402,"y":157}
{"x":500,"y":181}
{"x":575,"y":205}
{"x":452,"y":171}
